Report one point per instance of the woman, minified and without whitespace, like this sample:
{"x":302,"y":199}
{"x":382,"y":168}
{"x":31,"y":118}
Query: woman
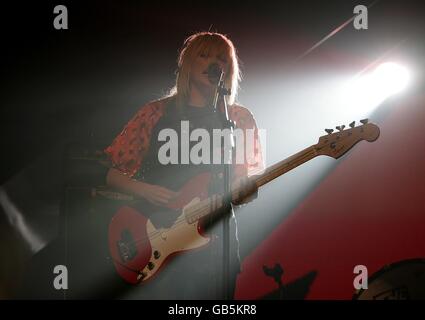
{"x":137,"y":170}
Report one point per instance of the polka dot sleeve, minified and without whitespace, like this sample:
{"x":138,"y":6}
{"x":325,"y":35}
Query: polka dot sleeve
{"x":129,"y":148}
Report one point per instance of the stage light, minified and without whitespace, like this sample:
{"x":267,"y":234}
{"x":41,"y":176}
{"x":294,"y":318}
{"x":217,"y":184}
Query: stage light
{"x":367,"y":91}
{"x":390,"y":78}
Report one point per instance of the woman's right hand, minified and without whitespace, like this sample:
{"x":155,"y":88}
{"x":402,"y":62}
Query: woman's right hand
{"x":153,"y":193}
{"x":157,"y":195}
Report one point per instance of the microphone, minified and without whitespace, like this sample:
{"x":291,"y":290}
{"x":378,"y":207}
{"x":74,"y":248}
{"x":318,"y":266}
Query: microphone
{"x":214,"y":72}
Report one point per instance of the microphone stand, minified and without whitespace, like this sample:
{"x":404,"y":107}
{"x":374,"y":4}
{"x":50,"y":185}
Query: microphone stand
{"x":227,"y":162}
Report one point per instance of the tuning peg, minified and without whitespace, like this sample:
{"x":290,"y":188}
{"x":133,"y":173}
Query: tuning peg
{"x":340,"y":128}
{"x":329,"y":131}
{"x":352,"y":124}
{"x":364,"y":121}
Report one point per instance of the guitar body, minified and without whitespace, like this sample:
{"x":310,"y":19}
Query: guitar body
{"x":139,"y":249}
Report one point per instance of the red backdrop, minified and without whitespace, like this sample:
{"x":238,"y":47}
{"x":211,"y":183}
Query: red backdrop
{"x":369,"y":210}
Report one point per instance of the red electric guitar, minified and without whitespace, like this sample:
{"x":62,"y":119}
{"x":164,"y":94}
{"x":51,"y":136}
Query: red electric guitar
{"x":139,"y":249}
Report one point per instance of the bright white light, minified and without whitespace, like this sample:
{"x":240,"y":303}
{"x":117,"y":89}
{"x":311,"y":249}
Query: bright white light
{"x":367,"y":91}
{"x":390,"y":78}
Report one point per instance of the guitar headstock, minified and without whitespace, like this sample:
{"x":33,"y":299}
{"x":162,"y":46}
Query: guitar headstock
{"x":336,"y":144}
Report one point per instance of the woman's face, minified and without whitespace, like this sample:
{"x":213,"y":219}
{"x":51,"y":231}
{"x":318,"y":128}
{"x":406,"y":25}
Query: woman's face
{"x":198,"y":71}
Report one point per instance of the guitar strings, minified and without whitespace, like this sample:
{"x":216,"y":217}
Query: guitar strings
{"x":201,"y":211}
{"x":204,"y":210}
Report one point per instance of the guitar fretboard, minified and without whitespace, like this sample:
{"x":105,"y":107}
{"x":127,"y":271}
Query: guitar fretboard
{"x":215,"y":202}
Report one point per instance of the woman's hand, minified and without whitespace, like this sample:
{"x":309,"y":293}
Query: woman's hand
{"x":244,"y":190}
{"x":157,"y":195}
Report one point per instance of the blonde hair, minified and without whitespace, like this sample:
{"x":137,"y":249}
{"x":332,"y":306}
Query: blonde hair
{"x":192,"y":47}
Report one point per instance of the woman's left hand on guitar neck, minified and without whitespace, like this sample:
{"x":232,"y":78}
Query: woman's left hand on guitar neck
{"x":244,"y":191}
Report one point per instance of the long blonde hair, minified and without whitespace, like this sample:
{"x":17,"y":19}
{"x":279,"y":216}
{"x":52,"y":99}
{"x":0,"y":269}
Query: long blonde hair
{"x":192,"y":47}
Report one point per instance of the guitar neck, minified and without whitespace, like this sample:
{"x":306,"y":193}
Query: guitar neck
{"x":215,"y":202}
{"x":285,"y":165}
